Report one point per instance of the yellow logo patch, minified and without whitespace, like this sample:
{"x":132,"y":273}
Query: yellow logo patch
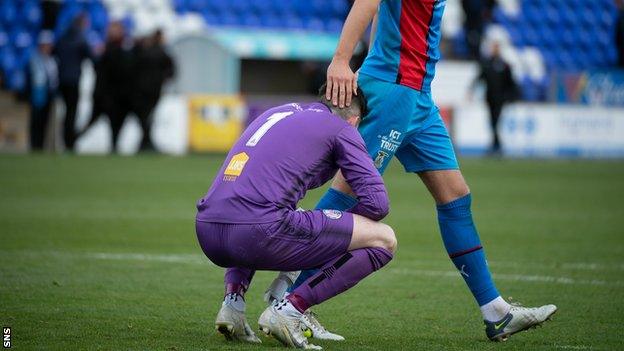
{"x":236,"y":165}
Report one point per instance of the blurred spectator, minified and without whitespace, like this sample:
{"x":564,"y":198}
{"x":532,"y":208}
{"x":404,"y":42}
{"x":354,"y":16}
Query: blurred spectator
{"x":71,"y":50}
{"x":42,"y":85}
{"x":500,"y":88}
{"x":619,"y":34}
{"x":473,"y":25}
{"x":114,"y":81}
{"x":314,"y":71}
{"x":153,"y":67}
{"x":477,"y":13}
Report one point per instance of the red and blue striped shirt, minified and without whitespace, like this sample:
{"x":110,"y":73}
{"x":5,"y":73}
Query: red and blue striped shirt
{"x":407,"y":43}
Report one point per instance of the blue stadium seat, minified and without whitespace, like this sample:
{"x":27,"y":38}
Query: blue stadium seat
{"x":572,"y":35}
{"x":263,"y":7}
{"x":179,"y":6}
{"x":4,"y":39}
{"x":251,"y":20}
{"x":210,"y":18}
{"x":239,"y":7}
{"x":197,"y":5}
{"x":303,"y":8}
{"x":552,"y":15}
{"x":531,"y":36}
{"x":21,"y":38}
{"x":23,"y":57}
{"x":314,"y":24}
{"x":272,"y":21}
{"x":16,"y":80}
{"x":530,"y":90}
{"x":8,"y":12}
{"x":230,"y":20}
{"x":313,"y":15}
{"x":334,"y":25}
{"x":320,"y":7}
{"x":30,"y":11}
{"x":294,"y":22}
{"x":98,"y":16}
{"x":8,"y":60}
{"x":340,"y":7}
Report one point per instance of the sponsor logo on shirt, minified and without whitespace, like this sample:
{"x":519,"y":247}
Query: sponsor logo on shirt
{"x":235,"y":167}
{"x":332,"y":214}
{"x":391,"y":141}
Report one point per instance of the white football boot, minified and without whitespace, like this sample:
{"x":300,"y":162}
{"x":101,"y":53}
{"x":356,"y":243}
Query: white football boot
{"x":309,"y":321}
{"x":233,"y":325}
{"x":284,"y":327}
{"x":518,"y":319}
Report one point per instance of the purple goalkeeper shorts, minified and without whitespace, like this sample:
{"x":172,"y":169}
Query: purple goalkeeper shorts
{"x":302,"y":240}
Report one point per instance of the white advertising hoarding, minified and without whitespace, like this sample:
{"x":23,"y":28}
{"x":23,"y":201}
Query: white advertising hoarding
{"x":543,"y":130}
{"x":563,"y":130}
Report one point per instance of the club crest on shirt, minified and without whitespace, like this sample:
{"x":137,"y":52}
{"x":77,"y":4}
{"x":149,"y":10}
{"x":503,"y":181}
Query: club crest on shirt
{"x":235,"y":167}
{"x":332,"y":214}
{"x":380,"y":159}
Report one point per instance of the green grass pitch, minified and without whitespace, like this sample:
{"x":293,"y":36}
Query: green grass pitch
{"x":99,"y":253}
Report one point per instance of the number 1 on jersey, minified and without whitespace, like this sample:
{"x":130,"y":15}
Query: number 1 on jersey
{"x":270,"y":122}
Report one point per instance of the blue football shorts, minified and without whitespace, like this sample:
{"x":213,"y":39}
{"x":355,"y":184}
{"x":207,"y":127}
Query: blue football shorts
{"x":405,"y":123}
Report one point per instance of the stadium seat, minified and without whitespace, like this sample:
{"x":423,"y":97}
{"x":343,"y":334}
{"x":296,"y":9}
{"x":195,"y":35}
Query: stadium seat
{"x":229,"y":19}
{"x":571,"y":35}
{"x":311,"y":15}
{"x":99,"y":17}
{"x":334,"y":25}
{"x":4,"y":39}
{"x":271,"y":21}
{"x":30,"y":11}
{"x":210,"y":18}
{"x":314,"y":24}
{"x":8,"y":12}
{"x":294,"y":22}
{"x":8,"y":59}
{"x":252,"y":21}
{"x":16,"y":80}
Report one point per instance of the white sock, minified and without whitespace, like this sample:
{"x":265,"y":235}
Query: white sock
{"x":277,"y":290}
{"x":234,"y":300}
{"x":495,"y":310}
{"x":286,"y":308}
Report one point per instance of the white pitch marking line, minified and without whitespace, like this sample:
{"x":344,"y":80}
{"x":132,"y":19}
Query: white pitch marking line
{"x":511,"y":277}
{"x":200,"y":259}
{"x":574,"y":347}
{"x":582,"y":266}
{"x":177,"y":258}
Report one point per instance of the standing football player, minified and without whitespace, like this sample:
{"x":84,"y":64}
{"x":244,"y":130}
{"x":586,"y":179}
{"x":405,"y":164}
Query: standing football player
{"x":403,"y":122}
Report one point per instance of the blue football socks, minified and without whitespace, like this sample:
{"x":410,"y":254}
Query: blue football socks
{"x":464,"y":248}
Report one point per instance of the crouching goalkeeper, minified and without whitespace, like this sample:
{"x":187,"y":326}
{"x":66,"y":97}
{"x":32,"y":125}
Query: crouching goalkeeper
{"x":248,"y":219}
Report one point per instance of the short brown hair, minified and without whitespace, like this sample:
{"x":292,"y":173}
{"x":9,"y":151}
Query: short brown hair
{"x":358,"y":104}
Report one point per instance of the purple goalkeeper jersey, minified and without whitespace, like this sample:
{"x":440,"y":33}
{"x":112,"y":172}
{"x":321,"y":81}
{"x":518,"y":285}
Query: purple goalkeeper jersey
{"x":283,"y":153}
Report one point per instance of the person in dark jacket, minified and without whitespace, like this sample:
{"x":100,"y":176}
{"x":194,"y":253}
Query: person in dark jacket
{"x":114,"y":86}
{"x":500,"y":88}
{"x":153,"y":67}
{"x":71,"y":50}
{"x":619,"y":32}
{"x":42,"y":86}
